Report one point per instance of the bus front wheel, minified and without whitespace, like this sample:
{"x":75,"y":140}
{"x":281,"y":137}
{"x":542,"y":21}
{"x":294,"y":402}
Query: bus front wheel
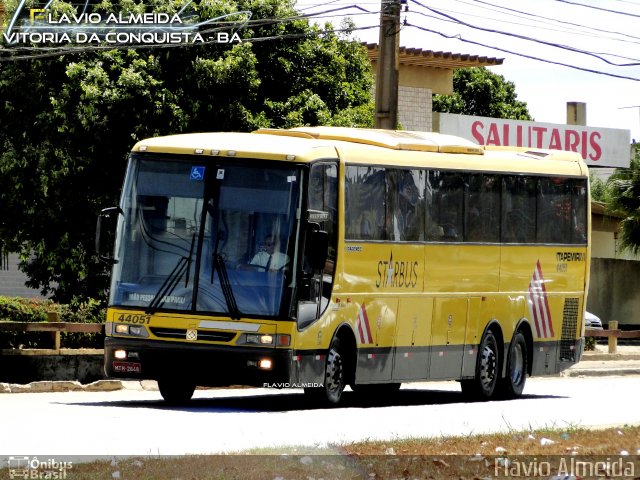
{"x":334,"y":377}
{"x":487,"y":372}
{"x":175,"y":391}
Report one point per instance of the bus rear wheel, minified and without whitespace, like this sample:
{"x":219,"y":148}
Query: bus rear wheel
{"x":512,"y":384}
{"x":483,"y":386}
{"x":334,"y":377}
{"x":176,"y":391}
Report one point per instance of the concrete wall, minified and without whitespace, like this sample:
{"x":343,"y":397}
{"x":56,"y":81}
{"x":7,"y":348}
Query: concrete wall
{"x":414,"y":108}
{"x":12,"y":280}
{"x":614,"y":292}
{"x":31,"y":368}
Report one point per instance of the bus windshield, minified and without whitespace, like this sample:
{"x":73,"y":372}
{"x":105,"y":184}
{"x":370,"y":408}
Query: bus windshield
{"x":197,"y":237}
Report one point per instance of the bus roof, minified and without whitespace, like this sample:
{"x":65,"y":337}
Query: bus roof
{"x":414,"y":148}
{"x":230,"y":144}
{"x":392,"y":139}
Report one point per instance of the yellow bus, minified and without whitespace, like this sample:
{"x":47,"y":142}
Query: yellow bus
{"x":324,"y":257}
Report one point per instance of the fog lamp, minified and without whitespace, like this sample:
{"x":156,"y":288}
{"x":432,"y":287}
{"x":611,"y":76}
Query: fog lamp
{"x":265,"y":364}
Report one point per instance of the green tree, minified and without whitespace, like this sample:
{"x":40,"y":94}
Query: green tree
{"x":68,"y":122}
{"x":622,"y":196}
{"x":598,"y":188}
{"x":478,"y":91}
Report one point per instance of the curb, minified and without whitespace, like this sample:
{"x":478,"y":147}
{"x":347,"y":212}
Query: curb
{"x":600,"y":372}
{"x":75,"y":386}
{"x":61,"y":386}
{"x":592,"y":357}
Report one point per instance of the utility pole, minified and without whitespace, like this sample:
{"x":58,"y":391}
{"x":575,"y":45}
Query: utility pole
{"x":388,"y":64}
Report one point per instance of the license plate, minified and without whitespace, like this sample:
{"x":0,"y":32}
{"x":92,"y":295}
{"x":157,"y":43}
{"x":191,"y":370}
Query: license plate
{"x":126,"y":367}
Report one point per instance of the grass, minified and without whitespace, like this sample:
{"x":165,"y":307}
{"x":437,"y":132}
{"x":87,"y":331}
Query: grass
{"x":612,"y":453}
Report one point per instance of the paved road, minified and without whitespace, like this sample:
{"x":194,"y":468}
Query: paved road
{"x":136,"y":422}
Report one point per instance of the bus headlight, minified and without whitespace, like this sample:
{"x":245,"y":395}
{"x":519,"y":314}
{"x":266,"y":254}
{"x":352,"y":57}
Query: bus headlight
{"x":132,"y":330}
{"x":258,"y":339}
{"x":122,"y":328}
{"x":265,"y":339}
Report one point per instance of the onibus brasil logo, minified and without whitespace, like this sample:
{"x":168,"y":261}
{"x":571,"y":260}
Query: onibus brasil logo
{"x":36,"y":26}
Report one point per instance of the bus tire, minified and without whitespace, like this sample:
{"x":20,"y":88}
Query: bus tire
{"x":334,"y":377}
{"x":483,"y":386}
{"x":175,"y":391}
{"x":512,"y":384}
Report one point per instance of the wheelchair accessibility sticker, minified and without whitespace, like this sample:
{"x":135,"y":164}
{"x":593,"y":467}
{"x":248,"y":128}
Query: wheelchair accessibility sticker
{"x":197,"y":174}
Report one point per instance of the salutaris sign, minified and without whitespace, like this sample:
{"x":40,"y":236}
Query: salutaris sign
{"x":603,"y":147}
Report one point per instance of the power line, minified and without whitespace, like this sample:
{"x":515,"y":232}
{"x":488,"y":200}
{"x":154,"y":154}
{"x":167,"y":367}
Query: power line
{"x":531,"y":57}
{"x":532,"y":26}
{"x":523,"y":14}
{"x":599,"y":8}
{"x":531,"y":39}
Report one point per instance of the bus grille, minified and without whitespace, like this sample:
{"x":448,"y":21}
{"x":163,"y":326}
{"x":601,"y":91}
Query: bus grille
{"x":569,"y":329}
{"x":181,"y":334}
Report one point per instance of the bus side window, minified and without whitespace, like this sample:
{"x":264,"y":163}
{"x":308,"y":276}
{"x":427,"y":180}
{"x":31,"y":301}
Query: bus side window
{"x":579,"y":212}
{"x":323,"y":191}
{"x":365,"y":203}
{"x":482,"y":209}
{"x":445,"y":221}
{"x":519,"y":209}
{"x":405,"y":205}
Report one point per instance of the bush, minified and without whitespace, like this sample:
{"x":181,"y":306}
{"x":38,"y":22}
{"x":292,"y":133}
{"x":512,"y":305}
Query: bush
{"x":38,"y":310}
{"x":25,"y":309}
{"x":91,"y":311}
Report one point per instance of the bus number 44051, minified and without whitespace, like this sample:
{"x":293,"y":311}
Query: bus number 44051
{"x":141,"y":319}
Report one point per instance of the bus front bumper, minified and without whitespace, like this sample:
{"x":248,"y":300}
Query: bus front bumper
{"x":205,"y":365}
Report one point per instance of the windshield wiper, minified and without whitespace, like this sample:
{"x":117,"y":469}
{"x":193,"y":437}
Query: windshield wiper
{"x":225,"y":285}
{"x":172,"y":280}
{"x":219,"y":266}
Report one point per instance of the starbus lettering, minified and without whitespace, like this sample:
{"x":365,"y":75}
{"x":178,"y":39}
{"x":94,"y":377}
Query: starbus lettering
{"x":397,"y":273}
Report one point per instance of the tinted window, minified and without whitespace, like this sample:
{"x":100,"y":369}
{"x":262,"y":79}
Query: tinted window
{"x":579,"y":219}
{"x":365,"y":202}
{"x":445,"y":196}
{"x":450,"y":206}
{"x":554,"y":210}
{"x":519,"y":209}
{"x":405,"y":205}
{"x":323,"y":188}
{"x":482,"y":209}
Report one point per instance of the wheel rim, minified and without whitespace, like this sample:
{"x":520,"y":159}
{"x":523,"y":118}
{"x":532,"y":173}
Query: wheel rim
{"x":335,"y":374}
{"x":488,"y":367}
{"x":517,"y":364}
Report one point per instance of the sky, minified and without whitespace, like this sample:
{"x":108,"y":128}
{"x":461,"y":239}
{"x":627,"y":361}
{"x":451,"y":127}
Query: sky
{"x":577,"y":33}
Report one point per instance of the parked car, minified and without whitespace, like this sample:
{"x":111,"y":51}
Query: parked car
{"x":592,"y":321}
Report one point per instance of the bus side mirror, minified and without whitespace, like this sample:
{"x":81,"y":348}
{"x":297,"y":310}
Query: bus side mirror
{"x":316,"y":251}
{"x":105,"y":233}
